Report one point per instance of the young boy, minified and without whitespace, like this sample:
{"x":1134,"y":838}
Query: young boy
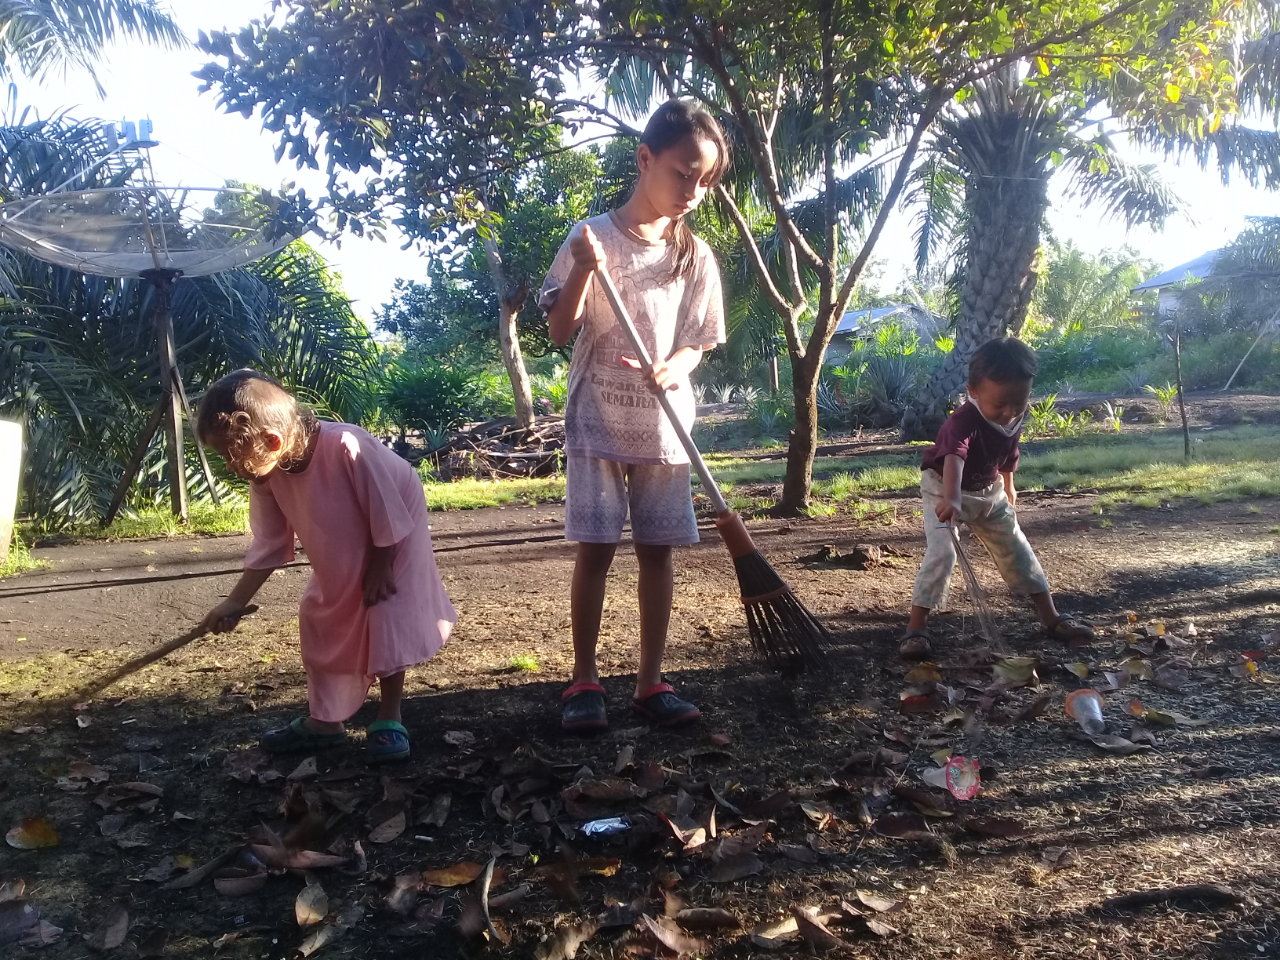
{"x":967,"y":477}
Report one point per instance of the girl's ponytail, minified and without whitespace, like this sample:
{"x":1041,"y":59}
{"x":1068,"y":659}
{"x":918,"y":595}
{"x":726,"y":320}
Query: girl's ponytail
{"x":673,"y":122}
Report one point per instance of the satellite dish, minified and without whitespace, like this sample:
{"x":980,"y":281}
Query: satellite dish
{"x":158,"y":234}
{"x":133,"y":231}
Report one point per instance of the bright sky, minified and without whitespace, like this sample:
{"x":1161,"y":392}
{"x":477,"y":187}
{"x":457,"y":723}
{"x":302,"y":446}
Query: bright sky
{"x":201,"y":146}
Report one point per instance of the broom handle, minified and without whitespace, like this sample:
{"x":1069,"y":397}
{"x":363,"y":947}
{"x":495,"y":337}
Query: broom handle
{"x":686,"y":441}
{"x":150,"y":657}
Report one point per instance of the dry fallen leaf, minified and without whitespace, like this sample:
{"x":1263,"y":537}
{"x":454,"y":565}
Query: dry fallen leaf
{"x":736,"y":867}
{"x":42,"y":934}
{"x":1057,"y":858}
{"x":235,"y":882}
{"x":282,"y":858}
{"x":1117,"y":745}
{"x":814,"y":932}
{"x":822,"y":814}
{"x":903,"y":826}
{"x":604,"y":789}
{"x":388,"y":830}
{"x":1016,"y":671}
{"x":707,"y":918}
{"x":459,"y":875}
{"x":775,"y":934}
{"x":564,"y":945}
{"x":31,"y":834}
{"x":438,"y":812}
{"x":110,"y":931}
{"x":1005,"y":827}
{"x":1081,"y":670}
{"x":668,"y":933}
{"x":17,"y":919}
{"x":152,"y":945}
{"x":307,"y":768}
{"x":347,"y":918}
{"x":162,"y":871}
{"x":12,"y":890}
{"x":311,"y":906}
{"x":876,"y":902}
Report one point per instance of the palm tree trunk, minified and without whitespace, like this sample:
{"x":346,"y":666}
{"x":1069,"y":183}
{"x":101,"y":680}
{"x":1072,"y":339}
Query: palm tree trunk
{"x":1002,"y":242}
{"x":508,"y":339}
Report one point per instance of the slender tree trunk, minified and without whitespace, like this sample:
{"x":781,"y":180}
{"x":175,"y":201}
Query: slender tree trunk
{"x":1003,"y":239}
{"x":1177,"y":369}
{"x":804,"y":438}
{"x":509,"y":306}
{"x":774,"y":385}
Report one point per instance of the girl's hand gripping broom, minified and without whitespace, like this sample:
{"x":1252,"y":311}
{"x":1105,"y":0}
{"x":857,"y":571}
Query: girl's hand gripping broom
{"x":782,"y":629}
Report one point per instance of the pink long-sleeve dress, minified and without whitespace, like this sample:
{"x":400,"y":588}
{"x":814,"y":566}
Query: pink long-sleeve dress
{"x":355,"y":494}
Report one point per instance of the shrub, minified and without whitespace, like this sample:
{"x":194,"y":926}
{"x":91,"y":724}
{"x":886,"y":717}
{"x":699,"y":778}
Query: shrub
{"x":429,"y":395}
{"x":551,"y":390}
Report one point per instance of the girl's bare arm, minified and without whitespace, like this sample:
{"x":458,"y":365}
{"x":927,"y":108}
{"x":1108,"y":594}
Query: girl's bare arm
{"x":565,"y":315}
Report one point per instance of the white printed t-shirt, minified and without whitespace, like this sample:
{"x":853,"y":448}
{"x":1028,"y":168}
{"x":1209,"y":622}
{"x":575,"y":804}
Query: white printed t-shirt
{"x":611,"y":413}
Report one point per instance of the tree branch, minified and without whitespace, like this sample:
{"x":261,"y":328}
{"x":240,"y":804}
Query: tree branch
{"x":785,"y":308}
{"x":978,"y":71}
{"x":826,"y":275}
{"x":760,"y":151}
{"x":826,"y":323}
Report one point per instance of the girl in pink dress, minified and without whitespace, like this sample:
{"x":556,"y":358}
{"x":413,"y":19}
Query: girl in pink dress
{"x":375,"y":604}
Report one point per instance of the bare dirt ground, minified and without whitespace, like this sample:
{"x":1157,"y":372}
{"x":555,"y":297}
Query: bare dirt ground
{"x":815,"y":783}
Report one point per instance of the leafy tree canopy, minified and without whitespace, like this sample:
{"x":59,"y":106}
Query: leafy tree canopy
{"x":453,"y":312}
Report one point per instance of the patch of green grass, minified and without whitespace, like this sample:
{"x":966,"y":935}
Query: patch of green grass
{"x":19,"y":559}
{"x":1147,"y":470}
{"x":847,"y":476}
{"x":472,"y":494}
{"x":525,"y":662}
{"x":232,"y":516}
{"x":1150,"y":470}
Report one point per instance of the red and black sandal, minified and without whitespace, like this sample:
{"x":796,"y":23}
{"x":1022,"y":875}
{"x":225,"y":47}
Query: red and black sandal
{"x":583,"y":709}
{"x":659,"y":704}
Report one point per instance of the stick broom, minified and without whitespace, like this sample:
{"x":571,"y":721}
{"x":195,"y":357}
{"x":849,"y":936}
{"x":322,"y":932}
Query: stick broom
{"x":91,"y":690}
{"x":782,"y":629}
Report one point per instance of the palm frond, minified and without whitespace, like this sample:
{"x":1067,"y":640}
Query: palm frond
{"x":1234,"y":148}
{"x":1134,"y":193}
{"x":936,"y":191}
{"x":1258,"y":88}
{"x":47,"y":37}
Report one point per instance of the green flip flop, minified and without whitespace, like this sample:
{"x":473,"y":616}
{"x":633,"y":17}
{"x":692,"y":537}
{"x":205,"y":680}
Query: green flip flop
{"x":296,"y":738}
{"x":386,"y":740}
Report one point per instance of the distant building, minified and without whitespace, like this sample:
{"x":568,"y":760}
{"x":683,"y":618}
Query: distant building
{"x":1166,"y":284}
{"x":859,"y":324}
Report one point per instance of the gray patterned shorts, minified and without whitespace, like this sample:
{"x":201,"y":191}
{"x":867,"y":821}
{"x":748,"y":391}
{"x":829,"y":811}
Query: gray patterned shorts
{"x":599,"y":493}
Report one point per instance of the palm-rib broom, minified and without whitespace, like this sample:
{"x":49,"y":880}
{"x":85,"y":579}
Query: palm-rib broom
{"x":782,"y":629}
{"x":91,"y":690}
{"x":977,"y":595}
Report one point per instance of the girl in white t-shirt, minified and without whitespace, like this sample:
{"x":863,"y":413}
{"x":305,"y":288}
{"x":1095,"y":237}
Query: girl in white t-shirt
{"x":621,"y":452}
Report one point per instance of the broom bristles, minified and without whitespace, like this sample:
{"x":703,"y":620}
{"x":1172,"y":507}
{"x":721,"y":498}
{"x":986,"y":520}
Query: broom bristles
{"x":977,"y":596}
{"x":782,"y":629}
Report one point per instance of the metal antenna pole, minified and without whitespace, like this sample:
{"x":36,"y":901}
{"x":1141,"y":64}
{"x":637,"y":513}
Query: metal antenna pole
{"x":171,"y":400}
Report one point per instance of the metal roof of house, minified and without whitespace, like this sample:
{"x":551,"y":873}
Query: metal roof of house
{"x":1199,"y":268}
{"x":855,"y":320}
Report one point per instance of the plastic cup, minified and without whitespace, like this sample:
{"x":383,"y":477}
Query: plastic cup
{"x":1085,"y":707}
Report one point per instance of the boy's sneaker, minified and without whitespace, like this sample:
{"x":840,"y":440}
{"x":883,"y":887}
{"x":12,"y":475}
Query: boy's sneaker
{"x":659,"y":704}
{"x":916,"y":645}
{"x":584,"y":709}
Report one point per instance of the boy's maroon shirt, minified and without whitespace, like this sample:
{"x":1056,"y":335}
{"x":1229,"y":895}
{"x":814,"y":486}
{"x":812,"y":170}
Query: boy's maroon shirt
{"x":987,"y":453}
